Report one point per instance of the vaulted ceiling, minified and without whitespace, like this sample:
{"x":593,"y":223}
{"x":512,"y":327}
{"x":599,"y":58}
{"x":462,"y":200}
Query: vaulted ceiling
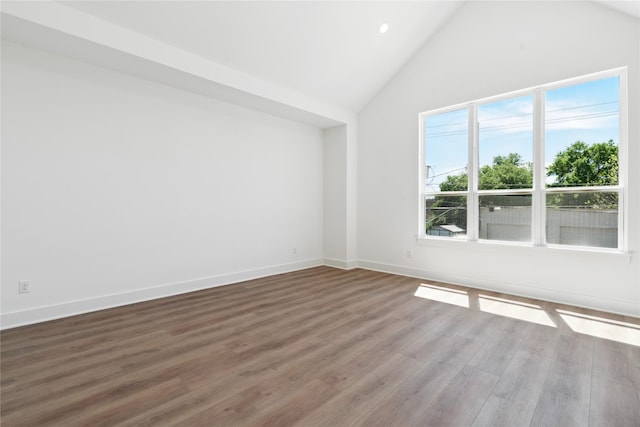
{"x":331,"y":52}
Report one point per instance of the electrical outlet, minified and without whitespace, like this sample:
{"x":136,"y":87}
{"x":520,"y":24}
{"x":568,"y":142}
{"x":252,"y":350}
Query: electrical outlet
{"x":294,"y":251}
{"x":23,"y":286}
{"x":409,"y":254}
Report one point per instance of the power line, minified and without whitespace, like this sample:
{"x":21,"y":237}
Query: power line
{"x":506,"y":117}
{"x":516,"y":125}
{"x":582,"y":106}
{"x":528,"y":114}
{"x":583,"y":117}
{"x":550,"y":111}
{"x":445,"y":173}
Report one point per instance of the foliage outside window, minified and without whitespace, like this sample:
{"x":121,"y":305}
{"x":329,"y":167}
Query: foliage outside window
{"x":541,"y":166}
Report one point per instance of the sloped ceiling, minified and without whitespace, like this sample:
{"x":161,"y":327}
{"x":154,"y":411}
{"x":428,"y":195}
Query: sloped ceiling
{"x":629,"y":7}
{"x":314,"y":61}
{"x":332,"y":51}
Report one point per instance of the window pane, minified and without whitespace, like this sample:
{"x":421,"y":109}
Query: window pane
{"x":505,"y":217}
{"x":446,"y":216}
{"x":582,"y":134}
{"x":506,"y":144}
{"x":584,"y":219}
{"x":446,"y":142}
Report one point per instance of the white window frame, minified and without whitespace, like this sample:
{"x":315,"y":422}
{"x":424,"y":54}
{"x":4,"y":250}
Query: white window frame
{"x":539,"y":189}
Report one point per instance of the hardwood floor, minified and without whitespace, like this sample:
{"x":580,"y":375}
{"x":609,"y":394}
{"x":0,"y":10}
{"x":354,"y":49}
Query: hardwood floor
{"x":326,"y":347}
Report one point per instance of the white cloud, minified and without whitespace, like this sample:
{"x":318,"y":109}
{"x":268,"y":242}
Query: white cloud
{"x":507,"y":116}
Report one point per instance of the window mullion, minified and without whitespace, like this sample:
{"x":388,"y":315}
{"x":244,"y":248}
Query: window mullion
{"x":538,"y":222}
{"x":422,"y":176}
{"x":473,"y":210}
{"x":623,"y":218}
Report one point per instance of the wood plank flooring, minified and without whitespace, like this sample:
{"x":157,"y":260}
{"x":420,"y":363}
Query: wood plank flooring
{"x":326,"y":347}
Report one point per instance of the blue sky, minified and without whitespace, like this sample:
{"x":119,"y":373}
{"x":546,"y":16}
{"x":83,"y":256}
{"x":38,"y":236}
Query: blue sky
{"x":587,"y":112}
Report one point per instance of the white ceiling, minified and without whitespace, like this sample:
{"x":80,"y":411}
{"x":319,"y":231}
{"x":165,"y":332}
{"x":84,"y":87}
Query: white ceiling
{"x":318,"y":62}
{"x":330,"y":50}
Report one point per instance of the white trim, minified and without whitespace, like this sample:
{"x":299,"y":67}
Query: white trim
{"x":538,"y":201}
{"x":72,"y":308}
{"x":623,"y":158}
{"x":623,"y":307}
{"x":619,"y":71}
{"x":613,"y":72}
{"x":422,"y":176}
{"x":591,"y":189}
{"x":473,"y":174}
{"x":343,"y":265}
{"x":507,"y":192}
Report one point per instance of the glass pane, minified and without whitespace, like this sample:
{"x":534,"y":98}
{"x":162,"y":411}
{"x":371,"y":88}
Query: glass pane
{"x":505,"y":217}
{"x":446,"y":152}
{"x":446,"y":216}
{"x":582,"y":134}
{"x":584,"y":219}
{"x":506,"y":144}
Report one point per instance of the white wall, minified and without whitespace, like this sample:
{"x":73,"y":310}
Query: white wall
{"x":340,"y":196}
{"x":335,"y":195}
{"x":116,"y":189}
{"x":490,"y":48}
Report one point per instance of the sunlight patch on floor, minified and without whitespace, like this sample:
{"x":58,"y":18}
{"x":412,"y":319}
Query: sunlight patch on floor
{"x":600,"y":327}
{"x":440,"y":294}
{"x":515,"y":310}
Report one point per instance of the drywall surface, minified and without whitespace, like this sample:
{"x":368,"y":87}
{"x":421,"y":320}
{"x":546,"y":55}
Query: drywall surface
{"x":116,"y":189}
{"x":335,"y":194}
{"x":486,"y":49}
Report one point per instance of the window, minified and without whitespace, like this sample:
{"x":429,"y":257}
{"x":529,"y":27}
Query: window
{"x":542,"y":166}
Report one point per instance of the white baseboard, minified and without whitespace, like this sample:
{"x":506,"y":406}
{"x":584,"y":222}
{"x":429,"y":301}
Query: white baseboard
{"x":344,"y":265}
{"x":72,"y":308}
{"x":627,"y":308}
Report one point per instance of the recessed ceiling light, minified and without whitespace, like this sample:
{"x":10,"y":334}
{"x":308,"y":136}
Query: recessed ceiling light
{"x":384,"y":28}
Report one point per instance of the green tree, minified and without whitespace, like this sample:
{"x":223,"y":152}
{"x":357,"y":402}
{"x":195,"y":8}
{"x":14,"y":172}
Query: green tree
{"x":455,"y":182}
{"x":506,"y":172}
{"x":580,"y":165}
